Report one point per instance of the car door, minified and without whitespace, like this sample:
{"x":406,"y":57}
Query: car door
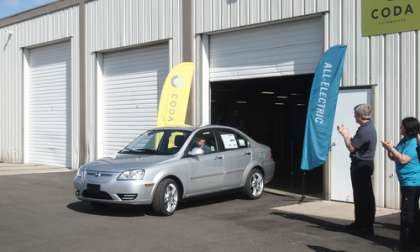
{"x":237,"y":155}
{"x":206,"y":170}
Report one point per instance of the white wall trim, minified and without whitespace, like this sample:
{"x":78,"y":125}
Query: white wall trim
{"x":26,"y":90}
{"x":257,"y":25}
{"x":99,"y":104}
{"x":205,"y":81}
{"x":74,"y":102}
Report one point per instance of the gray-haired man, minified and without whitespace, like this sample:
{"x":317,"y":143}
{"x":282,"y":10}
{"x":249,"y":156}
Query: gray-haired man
{"x":362,"y":152}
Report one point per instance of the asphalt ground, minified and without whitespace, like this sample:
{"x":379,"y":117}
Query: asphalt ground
{"x":38,"y":212}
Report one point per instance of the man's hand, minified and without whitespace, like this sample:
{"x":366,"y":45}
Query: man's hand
{"x":343,"y":131}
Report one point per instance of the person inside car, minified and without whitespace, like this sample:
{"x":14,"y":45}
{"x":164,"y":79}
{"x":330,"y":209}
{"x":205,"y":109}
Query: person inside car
{"x":202,"y":144}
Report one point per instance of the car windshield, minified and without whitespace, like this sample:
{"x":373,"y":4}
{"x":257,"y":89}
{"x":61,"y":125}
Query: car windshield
{"x":157,"y":142}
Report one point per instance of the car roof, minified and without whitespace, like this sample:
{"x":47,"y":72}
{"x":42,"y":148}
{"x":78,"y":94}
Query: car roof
{"x":187,"y":128}
{"x":209,"y":126}
{"x":192,"y":128}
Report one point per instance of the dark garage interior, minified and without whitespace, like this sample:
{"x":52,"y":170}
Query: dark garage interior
{"x":273,"y":112}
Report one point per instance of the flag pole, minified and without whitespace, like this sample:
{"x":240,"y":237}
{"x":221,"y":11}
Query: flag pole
{"x":303,"y":184}
{"x":303,"y":191}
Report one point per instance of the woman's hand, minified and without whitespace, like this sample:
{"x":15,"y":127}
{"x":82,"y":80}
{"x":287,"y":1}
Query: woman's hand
{"x":394,"y":154}
{"x":387,"y":145}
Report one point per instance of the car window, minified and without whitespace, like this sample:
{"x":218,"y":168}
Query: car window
{"x":204,"y":140}
{"x":176,"y":140}
{"x":231,"y":140}
{"x":149,"y":140}
{"x":160,"y":142}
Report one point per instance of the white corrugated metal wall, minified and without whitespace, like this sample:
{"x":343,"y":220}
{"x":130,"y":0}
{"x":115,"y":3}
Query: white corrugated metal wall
{"x":390,"y":61}
{"x":49,"y":28}
{"x":110,"y":25}
{"x":115,"y":25}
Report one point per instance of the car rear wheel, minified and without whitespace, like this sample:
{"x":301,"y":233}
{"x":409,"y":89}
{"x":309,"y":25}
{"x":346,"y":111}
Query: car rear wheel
{"x":254,"y":185}
{"x":165,"y":199}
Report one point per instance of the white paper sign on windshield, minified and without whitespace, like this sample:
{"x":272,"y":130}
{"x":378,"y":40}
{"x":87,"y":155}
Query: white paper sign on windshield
{"x":229,"y":141}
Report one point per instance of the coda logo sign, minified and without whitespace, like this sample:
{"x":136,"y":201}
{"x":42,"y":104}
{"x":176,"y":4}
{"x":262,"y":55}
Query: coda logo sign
{"x":393,"y":11}
{"x":389,"y":16}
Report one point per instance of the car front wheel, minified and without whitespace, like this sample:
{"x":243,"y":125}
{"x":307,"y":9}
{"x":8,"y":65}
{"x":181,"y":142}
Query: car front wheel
{"x":254,"y":185}
{"x":165,"y":199}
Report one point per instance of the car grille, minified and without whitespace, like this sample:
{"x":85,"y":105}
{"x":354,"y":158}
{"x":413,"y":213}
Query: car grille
{"x":127,"y":196}
{"x":99,"y":174}
{"x":96,"y":195}
{"x":93,"y":192}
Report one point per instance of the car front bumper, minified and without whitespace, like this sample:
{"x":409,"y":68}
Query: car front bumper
{"x":107,"y":189}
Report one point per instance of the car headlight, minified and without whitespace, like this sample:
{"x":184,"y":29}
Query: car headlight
{"x":132,"y":175}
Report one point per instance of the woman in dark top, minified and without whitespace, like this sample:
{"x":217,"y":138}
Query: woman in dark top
{"x":407,"y":163}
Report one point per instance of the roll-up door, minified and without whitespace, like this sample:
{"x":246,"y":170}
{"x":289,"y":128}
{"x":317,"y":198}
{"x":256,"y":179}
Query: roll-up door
{"x":276,"y":50}
{"x":131,"y":87}
{"x":48,"y":136}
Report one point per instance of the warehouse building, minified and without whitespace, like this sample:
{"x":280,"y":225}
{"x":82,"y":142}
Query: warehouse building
{"x":79,"y":79}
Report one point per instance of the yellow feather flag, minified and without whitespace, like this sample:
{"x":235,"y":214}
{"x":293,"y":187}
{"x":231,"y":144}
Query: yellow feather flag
{"x":175,"y":95}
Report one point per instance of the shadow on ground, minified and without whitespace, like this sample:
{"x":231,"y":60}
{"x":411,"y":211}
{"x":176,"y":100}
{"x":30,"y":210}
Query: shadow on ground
{"x":108,"y":210}
{"x":323,"y":249}
{"x":210,"y":199}
{"x":137,"y":211}
{"x":388,"y":225}
{"x":334,"y":227}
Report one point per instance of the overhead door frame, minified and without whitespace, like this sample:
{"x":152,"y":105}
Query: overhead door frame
{"x":202,"y":55}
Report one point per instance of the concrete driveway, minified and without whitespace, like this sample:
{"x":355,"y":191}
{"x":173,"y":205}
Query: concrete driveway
{"x":39,"y":213}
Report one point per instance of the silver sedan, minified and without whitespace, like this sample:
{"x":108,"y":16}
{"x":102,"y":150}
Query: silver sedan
{"x":164,"y":165}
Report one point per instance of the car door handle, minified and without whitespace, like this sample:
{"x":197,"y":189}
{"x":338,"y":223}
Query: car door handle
{"x":218,"y":157}
{"x":247,"y":153}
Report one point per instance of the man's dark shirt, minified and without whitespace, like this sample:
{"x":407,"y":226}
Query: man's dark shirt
{"x":364,"y":142}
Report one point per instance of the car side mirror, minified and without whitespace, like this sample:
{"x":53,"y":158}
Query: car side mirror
{"x":196,"y":152}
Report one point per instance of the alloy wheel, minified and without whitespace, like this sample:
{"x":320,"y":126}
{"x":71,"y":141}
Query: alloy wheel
{"x":170,"y":198}
{"x":257,"y":184}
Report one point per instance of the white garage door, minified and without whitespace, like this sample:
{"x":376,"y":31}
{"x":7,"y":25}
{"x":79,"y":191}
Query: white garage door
{"x":131,"y":87}
{"x":276,"y":50}
{"x":48,"y":136}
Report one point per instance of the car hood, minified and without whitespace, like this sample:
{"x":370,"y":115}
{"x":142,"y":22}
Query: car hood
{"x":124,"y":162}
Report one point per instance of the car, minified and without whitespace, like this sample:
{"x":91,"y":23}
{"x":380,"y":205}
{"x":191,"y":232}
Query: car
{"x":165,"y":165}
